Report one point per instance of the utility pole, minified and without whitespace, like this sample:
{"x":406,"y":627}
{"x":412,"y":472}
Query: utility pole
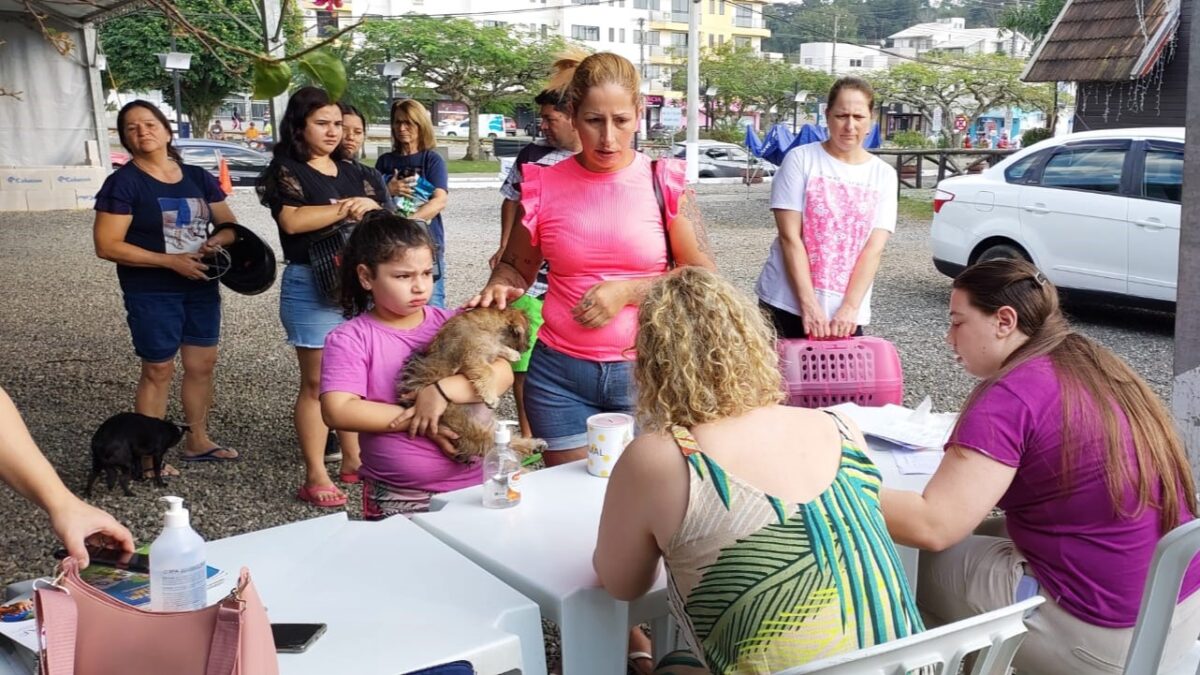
{"x":833,"y":53}
{"x":178,"y":100}
{"x":642,"y":47}
{"x":693,"y":93}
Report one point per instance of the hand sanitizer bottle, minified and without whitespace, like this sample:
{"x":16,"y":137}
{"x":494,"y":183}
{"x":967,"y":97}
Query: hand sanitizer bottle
{"x":178,"y":573}
{"x":502,"y":470}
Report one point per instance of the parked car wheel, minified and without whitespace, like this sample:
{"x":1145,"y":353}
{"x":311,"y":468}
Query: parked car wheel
{"x":1002,"y":252}
{"x":491,"y":135}
{"x":451,"y":133}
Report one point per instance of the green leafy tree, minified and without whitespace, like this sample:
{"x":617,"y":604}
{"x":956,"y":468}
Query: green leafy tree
{"x":967,"y":86}
{"x":1031,"y":20}
{"x":479,"y":66}
{"x":745,"y":80}
{"x":133,"y":41}
{"x":792,"y":25}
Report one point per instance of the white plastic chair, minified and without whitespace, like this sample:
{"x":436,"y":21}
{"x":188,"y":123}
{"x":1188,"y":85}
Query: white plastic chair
{"x":996,"y":635}
{"x":1172,"y":557}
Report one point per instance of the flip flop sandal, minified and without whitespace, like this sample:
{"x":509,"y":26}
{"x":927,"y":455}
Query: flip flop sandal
{"x":312,"y":495}
{"x":349,"y":478}
{"x":212,"y":456}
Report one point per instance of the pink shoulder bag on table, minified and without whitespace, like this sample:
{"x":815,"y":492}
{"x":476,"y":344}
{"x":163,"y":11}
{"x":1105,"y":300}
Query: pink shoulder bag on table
{"x":85,"y":631}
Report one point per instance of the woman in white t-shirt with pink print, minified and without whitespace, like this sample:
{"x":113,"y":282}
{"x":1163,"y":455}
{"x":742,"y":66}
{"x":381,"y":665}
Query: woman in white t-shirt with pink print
{"x":835,"y":207}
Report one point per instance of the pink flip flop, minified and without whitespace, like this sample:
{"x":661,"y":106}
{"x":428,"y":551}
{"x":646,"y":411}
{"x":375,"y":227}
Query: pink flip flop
{"x":312,"y":495}
{"x":349,"y":477}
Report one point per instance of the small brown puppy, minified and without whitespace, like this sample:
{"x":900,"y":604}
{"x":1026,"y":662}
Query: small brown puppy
{"x":467,"y":345}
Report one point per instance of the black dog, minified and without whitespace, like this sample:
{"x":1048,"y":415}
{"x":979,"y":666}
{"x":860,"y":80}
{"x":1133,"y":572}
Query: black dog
{"x":121,"y":443}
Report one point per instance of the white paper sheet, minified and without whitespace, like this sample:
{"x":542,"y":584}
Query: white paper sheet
{"x":912,"y":429}
{"x":920,"y":462}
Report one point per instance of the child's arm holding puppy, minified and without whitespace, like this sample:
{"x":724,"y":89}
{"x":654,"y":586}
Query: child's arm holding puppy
{"x":432,"y":400}
{"x":346,"y":411}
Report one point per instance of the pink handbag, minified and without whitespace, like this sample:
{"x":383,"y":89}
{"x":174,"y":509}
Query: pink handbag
{"x":84,"y":630}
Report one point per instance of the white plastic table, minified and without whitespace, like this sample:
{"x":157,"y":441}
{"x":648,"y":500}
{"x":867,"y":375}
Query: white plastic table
{"x":395,"y":598}
{"x":893,"y":479}
{"x":543,"y":548}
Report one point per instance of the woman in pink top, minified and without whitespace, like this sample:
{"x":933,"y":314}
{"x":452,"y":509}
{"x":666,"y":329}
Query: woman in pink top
{"x":596,"y":219}
{"x":1087,"y":489}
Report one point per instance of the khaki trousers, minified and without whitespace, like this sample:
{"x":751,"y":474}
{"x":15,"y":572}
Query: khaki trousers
{"x":980,"y":574}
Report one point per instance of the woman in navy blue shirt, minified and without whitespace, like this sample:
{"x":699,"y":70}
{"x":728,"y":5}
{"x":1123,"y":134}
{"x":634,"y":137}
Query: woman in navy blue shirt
{"x":153,"y":218}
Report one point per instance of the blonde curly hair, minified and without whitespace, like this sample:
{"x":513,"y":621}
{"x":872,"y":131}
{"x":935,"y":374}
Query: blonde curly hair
{"x":705,"y":352}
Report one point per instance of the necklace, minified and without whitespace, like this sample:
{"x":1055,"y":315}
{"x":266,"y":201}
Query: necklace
{"x":162,"y":174}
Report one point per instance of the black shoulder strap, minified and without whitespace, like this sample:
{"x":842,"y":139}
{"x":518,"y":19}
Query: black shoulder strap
{"x":843,"y":430}
{"x":662,"y":211}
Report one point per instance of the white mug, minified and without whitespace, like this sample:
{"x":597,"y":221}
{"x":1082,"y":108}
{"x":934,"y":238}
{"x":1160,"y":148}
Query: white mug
{"x":608,"y":434}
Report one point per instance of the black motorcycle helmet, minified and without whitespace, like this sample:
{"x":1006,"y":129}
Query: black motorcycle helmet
{"x":251,"y":262}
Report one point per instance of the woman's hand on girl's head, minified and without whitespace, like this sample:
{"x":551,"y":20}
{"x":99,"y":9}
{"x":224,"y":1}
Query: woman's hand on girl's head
{"x":187,"y":265}
{"x":600,"y":304}
{"x":427,"y":410}
{"x":495,"y":295}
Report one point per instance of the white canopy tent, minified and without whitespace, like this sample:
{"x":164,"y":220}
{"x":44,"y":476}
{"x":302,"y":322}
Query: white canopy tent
{"x":53,"y":138}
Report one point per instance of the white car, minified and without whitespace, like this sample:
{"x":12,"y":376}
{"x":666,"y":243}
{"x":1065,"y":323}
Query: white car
{"x":1096,"y":211}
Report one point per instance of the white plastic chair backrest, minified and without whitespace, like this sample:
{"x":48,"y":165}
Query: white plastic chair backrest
{"x":996,"y":635}
{"x":1172,"y":557}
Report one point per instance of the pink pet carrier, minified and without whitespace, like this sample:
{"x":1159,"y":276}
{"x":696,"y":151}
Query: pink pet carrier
{"x":863,"y":370}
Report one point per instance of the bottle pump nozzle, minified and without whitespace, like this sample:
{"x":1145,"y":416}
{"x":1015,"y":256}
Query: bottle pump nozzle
{"x":175,"y":515}
{"x":503,"y":433}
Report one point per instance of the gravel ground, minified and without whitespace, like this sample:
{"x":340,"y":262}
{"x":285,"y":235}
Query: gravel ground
{"x":70,"y":363}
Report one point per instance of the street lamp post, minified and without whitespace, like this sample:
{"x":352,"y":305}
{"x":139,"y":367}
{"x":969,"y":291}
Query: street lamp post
{"x":799,"y":98}
{"x":709,"y":92}
{"x":175,"y":63}
{"x":392,"y":70}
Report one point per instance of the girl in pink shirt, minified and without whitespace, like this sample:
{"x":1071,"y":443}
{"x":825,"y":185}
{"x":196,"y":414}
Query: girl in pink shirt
{"x":387,"y":282}
{"x":597,"y":220}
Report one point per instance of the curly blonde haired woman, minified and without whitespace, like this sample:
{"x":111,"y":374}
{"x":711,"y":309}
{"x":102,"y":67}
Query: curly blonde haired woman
{"x":766,"y":516}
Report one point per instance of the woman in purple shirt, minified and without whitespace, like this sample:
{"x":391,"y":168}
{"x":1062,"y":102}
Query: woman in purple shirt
{"x":1087,"y":489}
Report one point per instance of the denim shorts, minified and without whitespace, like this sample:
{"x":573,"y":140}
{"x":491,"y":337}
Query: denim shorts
{"x":160,"y":322}
{"x":561,"y":392}
{"x":306,"y":315}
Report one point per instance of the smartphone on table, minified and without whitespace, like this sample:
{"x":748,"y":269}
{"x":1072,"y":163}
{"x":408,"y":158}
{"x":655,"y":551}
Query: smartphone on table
{"x":294,"y":638}
{"x":111,"y":557}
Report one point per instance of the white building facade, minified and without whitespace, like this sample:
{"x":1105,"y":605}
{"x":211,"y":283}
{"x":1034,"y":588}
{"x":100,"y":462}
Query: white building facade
{"x":951,"y":35}
{"x":842,"y":58}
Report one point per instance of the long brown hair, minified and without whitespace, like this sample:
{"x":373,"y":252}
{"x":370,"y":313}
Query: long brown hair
{"x":1094,"y":384}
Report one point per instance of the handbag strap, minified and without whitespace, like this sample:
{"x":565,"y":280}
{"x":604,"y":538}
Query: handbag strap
{"x":662,"y":211}
{"x":58,"y":617}
{"x":227,"y":638}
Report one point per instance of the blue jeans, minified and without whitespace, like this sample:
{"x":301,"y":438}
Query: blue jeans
{"x":561,"y":392}
{"x":438,"y":297}
{"x":160,"y":322}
